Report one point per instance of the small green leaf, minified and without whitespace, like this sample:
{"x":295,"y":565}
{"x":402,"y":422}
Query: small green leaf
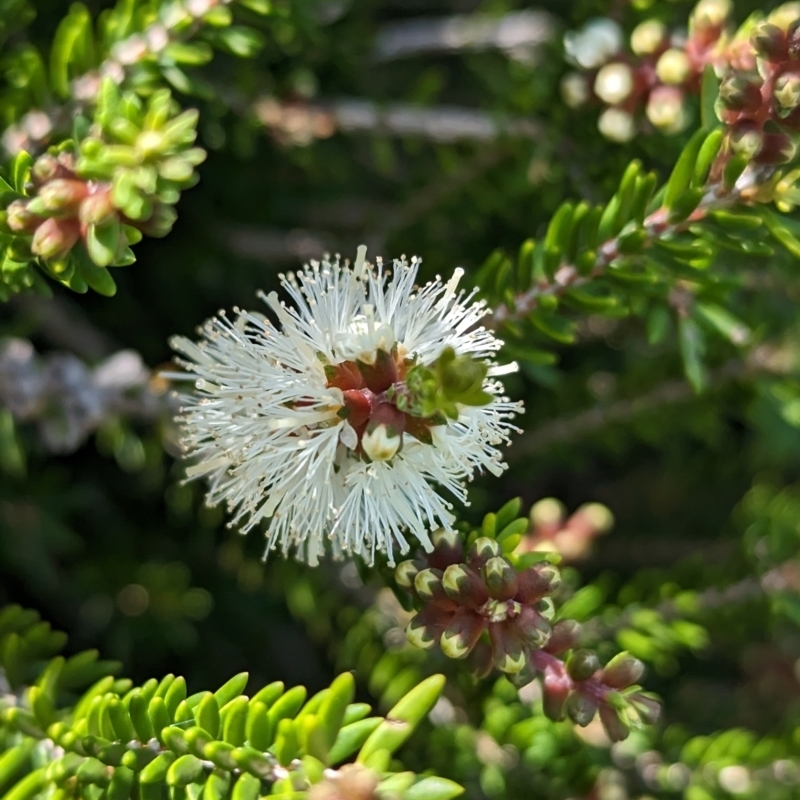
{"x":681,"y":177}
{"x":403,"y":718}
{"x":709,"y":92}
{"x":693,"y":346}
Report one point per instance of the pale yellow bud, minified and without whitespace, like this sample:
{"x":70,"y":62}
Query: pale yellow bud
{"x":614,"y":83}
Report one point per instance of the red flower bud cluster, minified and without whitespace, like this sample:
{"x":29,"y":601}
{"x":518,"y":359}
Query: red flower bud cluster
{"x":656,"y":76}
{"x":762,"y":106}
{"x":64,"y":209}
{"x":482,"y":594}
{"x":478,"y":605}
{"x":571,"y":537}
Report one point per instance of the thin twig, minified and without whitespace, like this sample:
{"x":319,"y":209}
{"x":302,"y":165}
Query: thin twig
{"x":520,"y":34}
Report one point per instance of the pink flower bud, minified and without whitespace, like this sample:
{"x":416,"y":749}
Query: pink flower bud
{"x":54,"y":238}
{"x":622,"y":671}
{"x":20,"y":219}
{"x":770,"y":42}
{"x":63,"y":194}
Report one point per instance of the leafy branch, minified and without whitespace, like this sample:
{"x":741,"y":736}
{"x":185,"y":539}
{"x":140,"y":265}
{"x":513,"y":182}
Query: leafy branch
{"x":118,"y":741}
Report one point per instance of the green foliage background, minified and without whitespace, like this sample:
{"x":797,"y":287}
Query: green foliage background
{"x":77,"y":529}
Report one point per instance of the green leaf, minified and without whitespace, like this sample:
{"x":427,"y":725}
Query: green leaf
{"x":554,"y":325}
{"x":693,"y":346}
{"x":231,"y":688}
{"x":778,"y":227}
{"x":709,"y":92}
{"x":240,"y":41}
{"x":724,"y":322}
{"x":207,"y":714}
{"x":403,"y":718}
{"x":434,"y":788}
{"x":351,"y":738}
{"x":705,"y":158}
{"x":72,"y":51}
{"x":334,"y":706}
{"x":21,"y":170}
{"x":681,"y":177}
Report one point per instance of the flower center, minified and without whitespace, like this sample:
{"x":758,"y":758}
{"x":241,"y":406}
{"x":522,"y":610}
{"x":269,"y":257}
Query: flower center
{"x":372,"y":391}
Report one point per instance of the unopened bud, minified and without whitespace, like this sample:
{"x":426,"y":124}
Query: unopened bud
{"x":20,"y":219}
{"x":666,"y":109}
{"x":481,"y":550}
{"x":616,"y":125}
{"x":547,"y":513}
{"x":593,"y":45}
{"x":500,"y":578}
{"x":421,"y":635}
{"x":404,"y":574}
{"x":746,"y":138}
{"x":555,"y":691}
{"x":546,"y":607}
{"x":581,"y":708}
{"x":381,"y":442}
{"x":646,"y":706}
{"x":770,"y":42}
{"x":784,"y":15}
{"x":96,"y":208}
{"x":582,"y":665}
{"x":710,"y":14}
{"x":428,"y":583}
{"x":54,"y":238}
{"x":565,"y":636}
{"x":614,"y":83}
{"x":575,"y":90}
{"x":793,"y":40}
{"x":787,"y":92}
{"x":648,"y":37}
{"x":533,"y":628}
{"x":508,"y":650}
{"x":463,"y":585}
{"x":737,"y":93}
{"x":46,"y":168}
{"x":426,"y":627}
{"x":462,"y":634}
{"x":777,"y":148}
{"x":448,"y":548}
{"x":537,"y":582}
{"x":63,"y":194}
{"x":614,"y":727}
{"x":673,"y":67}
{"x":622,"y":671}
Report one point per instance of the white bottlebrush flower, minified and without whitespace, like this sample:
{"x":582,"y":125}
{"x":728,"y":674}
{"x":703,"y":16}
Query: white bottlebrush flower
{"x":293,"y":424}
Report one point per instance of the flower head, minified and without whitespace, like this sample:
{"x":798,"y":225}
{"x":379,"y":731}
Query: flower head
{"x":345,"y":421}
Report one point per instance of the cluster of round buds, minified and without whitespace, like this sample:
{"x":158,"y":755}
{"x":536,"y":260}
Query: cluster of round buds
{"x":655,"y":75}
{"x":122,"y":180}
{"x":464,"y":597}
{"x":761,"y":106}
{"x":478,"y":604}
{"x":551,"y":530}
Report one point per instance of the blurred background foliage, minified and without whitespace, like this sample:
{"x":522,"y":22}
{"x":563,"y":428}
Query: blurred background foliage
{"x":697,"y":576}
